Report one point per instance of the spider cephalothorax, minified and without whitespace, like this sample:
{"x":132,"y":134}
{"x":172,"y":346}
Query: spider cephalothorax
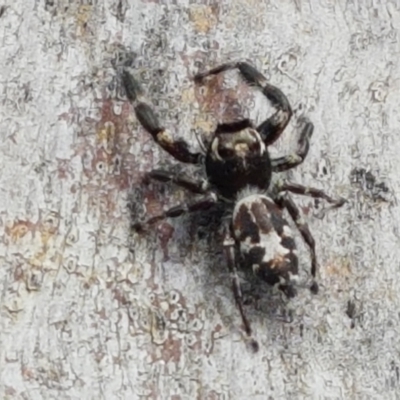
{"x":237,"y":159}
{"x":239,"y":174}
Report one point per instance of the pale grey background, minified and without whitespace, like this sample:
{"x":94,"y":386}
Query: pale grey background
{"x":88,"y":312}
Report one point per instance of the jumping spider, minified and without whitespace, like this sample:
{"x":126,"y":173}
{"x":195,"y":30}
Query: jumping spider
{"x":239,"y":171}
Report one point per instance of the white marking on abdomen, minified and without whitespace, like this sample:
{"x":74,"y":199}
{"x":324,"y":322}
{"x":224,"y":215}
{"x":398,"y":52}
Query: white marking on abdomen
{"x":270,"y":243}
{"x":248,"y":199}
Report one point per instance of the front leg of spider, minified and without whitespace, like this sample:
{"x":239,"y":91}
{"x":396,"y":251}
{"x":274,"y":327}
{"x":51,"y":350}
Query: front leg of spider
{"x":177,"y":148}
{"x":272,"y":128}
{"x":303,"y":146}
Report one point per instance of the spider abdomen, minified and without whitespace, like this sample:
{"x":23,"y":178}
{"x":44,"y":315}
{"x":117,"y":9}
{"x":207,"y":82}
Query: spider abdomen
{"x":265,"y":240}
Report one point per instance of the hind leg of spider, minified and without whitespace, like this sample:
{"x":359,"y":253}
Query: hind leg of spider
{"x":287,"y":202}
{"x":303,"y":146}
{"x":177,"y":148}
{"x":199,"y":187}
{"x":203,"y":203}
{"x":312,"y":192}
{"x":272,"y":128}
{"x":229,"y":253}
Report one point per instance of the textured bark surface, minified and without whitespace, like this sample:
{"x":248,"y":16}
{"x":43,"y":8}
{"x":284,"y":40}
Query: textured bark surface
{"x":89,"y":311}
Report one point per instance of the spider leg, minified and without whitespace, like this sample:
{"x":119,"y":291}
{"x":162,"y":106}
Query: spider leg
{"x":229,"y":253}
{"x":272,"y":128}
{"x":226,"y":128}
{"x":303,"y":145}
{"x":294,"y":211}
{"x":204,"y":203}
{"x":232,"y":127}
{"x":312,"y":192}
{"x":177,"y":148}
{"x":199,"y":187}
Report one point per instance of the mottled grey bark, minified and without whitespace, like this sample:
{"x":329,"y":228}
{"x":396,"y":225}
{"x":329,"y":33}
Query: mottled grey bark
{"x":89,"y":312}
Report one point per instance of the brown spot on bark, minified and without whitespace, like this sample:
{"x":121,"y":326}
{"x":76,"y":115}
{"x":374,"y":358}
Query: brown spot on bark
{"x":165,"y":232}
{"x":172,"y":350}
{"x":225,"y":104}
{"x":340,"y":268}
{"x":18,"y":229}
{"x":203,"y":17}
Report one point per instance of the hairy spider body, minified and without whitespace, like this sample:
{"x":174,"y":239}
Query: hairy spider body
{"x":266,"y":241}
{"x":239,"y":173}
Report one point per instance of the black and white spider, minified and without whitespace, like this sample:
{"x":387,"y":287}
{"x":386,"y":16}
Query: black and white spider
{"x":239,"y":171}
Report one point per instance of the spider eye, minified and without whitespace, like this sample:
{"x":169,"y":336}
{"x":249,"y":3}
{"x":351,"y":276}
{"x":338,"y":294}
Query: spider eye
{"x":226,"y":153}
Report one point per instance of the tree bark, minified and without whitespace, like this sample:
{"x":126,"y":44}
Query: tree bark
{"x":91,"y":311}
